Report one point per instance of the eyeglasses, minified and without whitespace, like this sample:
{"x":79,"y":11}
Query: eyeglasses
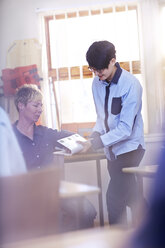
{"x":95,"y":70}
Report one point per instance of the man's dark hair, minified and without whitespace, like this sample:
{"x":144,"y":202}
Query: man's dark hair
{"x":100,"y":54}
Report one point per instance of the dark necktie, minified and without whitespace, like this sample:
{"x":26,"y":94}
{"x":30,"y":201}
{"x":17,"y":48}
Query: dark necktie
{"x":106,"y":118}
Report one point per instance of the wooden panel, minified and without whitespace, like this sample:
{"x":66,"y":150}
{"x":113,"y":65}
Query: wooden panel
{"x":120,"y":8}
{"x":71,"y":14}
{"x":136,"y":67}
{"x":132,"y":7}
{"x":75,"y":72}
{"x":74,"y":127}
{"x":63,"y":73}
{"x":95,"y":12}
{"x":48,"y":18}
{"x":86,"y":72}
{"x":53,"y":74}
{"x":24,"y":53}
{"x":108,"y":10}
{"x":83,"y":13}
{"x":125,"y":65}
{"x":85,"y":124}
{"x":60,"y":16}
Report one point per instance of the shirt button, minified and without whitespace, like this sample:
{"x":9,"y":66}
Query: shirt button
{"x":33,"y":144}
{"x":38,"y":167}
{"x":38,"y":156}
{"x":47,"y":144}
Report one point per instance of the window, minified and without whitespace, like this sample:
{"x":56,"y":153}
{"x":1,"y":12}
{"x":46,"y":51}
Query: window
{"x":69,"y":35}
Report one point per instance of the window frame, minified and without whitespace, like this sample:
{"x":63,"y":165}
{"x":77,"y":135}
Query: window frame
{"x":134,"y":67}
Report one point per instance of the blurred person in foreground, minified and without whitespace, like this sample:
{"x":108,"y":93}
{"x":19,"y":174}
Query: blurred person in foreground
{"x":151,"y":231}
{"x":119,"y":127}
{"x":38,"y":144}
{"x":11,"y":158}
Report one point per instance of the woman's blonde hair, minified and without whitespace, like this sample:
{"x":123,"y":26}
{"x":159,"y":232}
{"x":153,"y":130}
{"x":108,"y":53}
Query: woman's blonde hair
{"x":26,"y":93}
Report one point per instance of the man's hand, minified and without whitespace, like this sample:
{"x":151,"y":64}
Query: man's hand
{"x":86,"y":145}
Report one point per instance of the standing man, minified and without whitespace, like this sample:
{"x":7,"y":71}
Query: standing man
{"x":119,"y":126}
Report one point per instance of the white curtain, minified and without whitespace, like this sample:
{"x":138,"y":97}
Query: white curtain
{"x":46,"y":84}
{"x":152,"y":61}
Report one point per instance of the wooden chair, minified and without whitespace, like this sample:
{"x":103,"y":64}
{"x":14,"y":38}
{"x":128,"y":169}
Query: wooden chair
{"x":29,"y":205}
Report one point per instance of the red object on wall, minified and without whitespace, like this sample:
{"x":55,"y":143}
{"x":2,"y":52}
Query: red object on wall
{"x":14,"y":78}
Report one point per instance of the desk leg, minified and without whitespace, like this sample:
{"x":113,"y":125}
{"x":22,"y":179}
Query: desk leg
{"x":100,"y":195}
{"x":140,"y":186}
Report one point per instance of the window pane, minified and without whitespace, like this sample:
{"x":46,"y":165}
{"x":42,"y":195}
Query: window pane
{"x":69,"y":40}
{"x":76,"y":104}
{"x":58,"y":41}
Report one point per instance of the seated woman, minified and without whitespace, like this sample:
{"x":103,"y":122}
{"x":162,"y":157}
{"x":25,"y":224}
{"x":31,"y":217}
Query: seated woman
{"x":38,"y":144}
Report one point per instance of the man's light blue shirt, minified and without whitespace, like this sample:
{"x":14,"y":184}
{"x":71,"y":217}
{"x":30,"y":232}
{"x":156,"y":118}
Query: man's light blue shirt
{"x":124,"y":113}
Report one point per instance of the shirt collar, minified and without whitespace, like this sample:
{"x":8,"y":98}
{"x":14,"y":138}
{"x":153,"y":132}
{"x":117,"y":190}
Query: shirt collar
{"x":118,"y":72}
{"x":117,"y":75}
{"x":36,"y":129}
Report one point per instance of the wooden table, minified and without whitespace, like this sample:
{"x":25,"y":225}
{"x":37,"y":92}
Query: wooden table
{"x":80,"y":157}
{"x":70,"y":189}
{"x":140,"y":172}
{"x":144,"y":171}
{"x":91,"y":238}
